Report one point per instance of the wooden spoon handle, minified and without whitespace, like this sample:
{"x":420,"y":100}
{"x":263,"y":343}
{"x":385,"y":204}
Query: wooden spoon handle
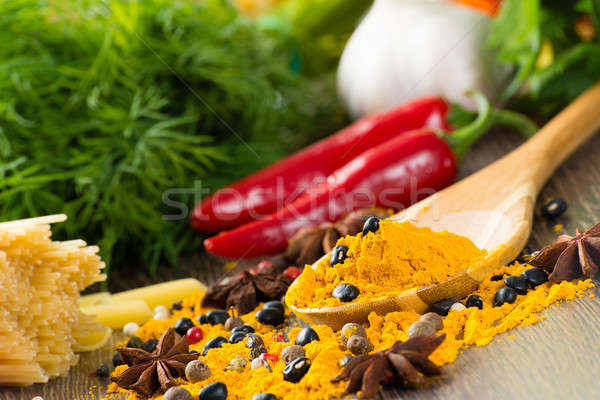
{"x":537,"y":159}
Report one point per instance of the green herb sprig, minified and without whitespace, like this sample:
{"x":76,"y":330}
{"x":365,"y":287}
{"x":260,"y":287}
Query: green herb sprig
{"x":105,"y":104}
{"x":519,"y":33}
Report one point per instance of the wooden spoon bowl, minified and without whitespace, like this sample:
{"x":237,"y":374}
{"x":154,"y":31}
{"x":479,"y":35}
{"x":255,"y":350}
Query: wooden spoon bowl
{"x":493,"y":207}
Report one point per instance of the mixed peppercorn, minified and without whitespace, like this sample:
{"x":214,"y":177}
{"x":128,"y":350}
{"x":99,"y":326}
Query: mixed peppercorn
{"x":515,"y":285}
{"x":394,"y":365}
{"x":272,"y":313}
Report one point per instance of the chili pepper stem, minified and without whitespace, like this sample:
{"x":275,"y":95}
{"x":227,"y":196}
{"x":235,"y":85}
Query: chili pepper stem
{"x":463,"y":138}
{"x":520,"y":122}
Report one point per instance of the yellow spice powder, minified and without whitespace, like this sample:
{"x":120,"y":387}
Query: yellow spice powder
{"x":397,"y":257}
{"x":479,"y":327}
{"x":462,"y":328}
{"x":324,"y":356}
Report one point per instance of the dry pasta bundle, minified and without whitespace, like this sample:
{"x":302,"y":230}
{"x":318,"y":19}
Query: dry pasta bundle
{"x":40,"y":284}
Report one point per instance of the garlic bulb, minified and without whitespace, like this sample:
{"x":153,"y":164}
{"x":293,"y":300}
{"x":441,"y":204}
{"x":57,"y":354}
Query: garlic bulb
{"x":405,"y":49}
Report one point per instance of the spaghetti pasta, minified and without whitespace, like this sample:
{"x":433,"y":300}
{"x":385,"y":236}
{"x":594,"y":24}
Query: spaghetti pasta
{"x":40,"y":284}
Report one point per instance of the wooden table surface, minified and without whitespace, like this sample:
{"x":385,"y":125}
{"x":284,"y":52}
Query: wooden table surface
{"x":556,"y":359}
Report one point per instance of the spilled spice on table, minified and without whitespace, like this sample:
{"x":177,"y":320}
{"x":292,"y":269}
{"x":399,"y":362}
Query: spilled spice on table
{"x":464,"y":328}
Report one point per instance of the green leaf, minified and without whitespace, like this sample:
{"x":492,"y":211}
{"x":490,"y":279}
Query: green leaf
{"x":516,"y":35}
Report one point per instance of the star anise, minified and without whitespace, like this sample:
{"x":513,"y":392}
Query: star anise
{"x":402,"y":364}
{"x":149,"y":372}
{"x":310,"y":244}
{"x":571,"y":257}
{"x":246,"y":291}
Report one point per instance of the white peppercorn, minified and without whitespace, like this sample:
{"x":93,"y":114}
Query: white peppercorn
{"x":197,"y":371}
{"x":351,"y":329}
{"x":421,"y":328}
{"x":292,"y":352}
{"x":359,"y":345}
{"x":161,"y":313}
{"x":233,"y":322}
{"x":260,"y":362}
{"x":177,"y":393}
{"x":434,"y":319}
{"x":130,"y":329}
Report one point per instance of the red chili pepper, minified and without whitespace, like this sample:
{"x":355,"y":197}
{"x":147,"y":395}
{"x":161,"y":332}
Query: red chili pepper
{"x":419,"y":156}
{"x":394,"y":174}
{"x":267,"y":190}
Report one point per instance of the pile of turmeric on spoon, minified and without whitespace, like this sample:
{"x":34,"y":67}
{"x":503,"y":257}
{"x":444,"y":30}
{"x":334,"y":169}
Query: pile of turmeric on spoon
{"x":384,"y":260}
{"x":257,"y":356}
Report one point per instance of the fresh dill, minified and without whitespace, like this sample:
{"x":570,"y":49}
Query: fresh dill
{"x":105,"y":104}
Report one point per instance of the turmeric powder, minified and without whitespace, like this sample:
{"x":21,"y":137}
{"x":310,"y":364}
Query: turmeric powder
{"x":397,"y":257}
{"x":324,"y":355}
{"x":473,"y":326}
{"x":463,"y":328}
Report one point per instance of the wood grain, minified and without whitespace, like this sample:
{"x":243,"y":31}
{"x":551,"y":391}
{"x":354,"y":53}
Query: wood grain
{"x":557,"y":359}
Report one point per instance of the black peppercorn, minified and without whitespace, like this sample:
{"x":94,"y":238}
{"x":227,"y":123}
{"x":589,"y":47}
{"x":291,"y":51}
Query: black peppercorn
{"x":296,"y":369}
{"x":338,"y":254}
{"x":135,"y":342}
{"x":182,"y":325}
{"x":371,"y":225}
{"x":213,"y":343}
{"x":243,"y":328}
{"x":305,"y":336}
{"x":176,"y":306}
{"x":202,"y":319}
{"x":216,"y":317}
{"x":237,"y":337}
{"x":150,"y":345}
{"x":518,"y":283}
{"x":275,"y":304}
{"x":264,"y":396}
{"x":442,"y":307}
{"x":474,"y":301}
{"x":505,"y":295}
{"x":345,"y":292}
{"x":554,"y":208}
{"x":270,"y":316}
{"x":535,"y":277}
{"x":214,"y":391}
{"x":116,"y":360}
{"x":102,"y":371}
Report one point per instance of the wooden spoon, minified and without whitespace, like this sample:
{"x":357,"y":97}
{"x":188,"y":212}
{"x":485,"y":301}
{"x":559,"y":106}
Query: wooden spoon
{"x":493,"y":207}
